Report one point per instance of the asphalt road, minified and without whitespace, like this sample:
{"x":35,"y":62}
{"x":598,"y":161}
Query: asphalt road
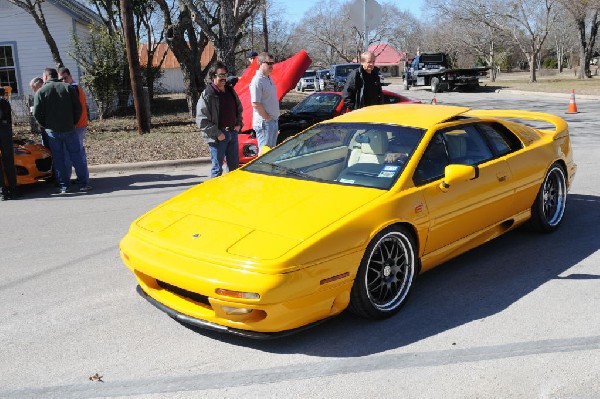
{"x":517,"y":317}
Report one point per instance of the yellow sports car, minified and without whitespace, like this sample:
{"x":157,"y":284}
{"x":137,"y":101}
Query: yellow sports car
{"x":346,"y":214}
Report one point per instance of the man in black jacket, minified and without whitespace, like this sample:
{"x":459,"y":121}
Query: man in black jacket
{"x":219,"y":117}
{"x":363,"y":86}
{"x":7,"y":166}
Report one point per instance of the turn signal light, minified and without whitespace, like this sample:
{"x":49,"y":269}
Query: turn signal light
{"x":237,"y":294}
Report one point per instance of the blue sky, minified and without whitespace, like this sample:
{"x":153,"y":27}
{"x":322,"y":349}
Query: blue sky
{"x":294,"y":9}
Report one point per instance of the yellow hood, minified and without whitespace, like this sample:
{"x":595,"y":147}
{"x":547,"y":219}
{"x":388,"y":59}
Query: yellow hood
{"x":251,"y":215}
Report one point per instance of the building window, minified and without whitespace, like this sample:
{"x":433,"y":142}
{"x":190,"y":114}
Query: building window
{"x":8,"y":76}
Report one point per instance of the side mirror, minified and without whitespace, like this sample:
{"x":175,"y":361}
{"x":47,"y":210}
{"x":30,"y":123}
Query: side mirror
{"x":457,"y":173}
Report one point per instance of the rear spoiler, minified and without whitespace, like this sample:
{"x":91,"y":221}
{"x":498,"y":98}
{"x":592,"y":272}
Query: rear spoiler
{"x":560,"y":125}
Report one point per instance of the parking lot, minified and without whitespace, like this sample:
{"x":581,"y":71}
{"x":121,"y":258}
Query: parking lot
{"x":517,"y":317}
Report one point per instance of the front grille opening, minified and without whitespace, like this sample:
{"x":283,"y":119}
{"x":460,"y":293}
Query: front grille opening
{"x":43,"y":165}
{"x":194,"y":296}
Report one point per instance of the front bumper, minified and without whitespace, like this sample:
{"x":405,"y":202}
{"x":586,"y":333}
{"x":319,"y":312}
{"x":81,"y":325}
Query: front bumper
{"x":187,"y":289}
{"x":185,"y":319}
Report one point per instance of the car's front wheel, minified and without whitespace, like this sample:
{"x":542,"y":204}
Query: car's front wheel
{"x":385,"y":275}
{"x":549,"y":207}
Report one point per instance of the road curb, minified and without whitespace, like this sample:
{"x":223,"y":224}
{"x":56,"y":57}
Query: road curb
{"x":118,"y":167}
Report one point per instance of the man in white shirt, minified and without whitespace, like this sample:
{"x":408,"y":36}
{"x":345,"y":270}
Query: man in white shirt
{"x":265,"y":104}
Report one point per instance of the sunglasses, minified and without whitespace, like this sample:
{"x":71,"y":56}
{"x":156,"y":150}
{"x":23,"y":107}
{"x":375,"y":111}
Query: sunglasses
{"x":268,"y":62}
{"x":221,"y":75}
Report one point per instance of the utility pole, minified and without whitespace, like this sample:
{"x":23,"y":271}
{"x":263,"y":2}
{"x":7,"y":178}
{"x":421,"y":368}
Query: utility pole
{"x":142,"y":107}
{"x":366,"y":30}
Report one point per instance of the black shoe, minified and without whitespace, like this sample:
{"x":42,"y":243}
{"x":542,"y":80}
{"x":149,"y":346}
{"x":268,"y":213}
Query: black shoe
{"x":14,"y":193}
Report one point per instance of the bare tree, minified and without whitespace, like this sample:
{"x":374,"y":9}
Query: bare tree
{"x":473,"y":27}
{"x":563,"y":37}
{"x":187,"y":46}
{"x":265,"y":25}
{"x":321,"y":30}
{"x":147,"y":20}
{"x":141,"y":106}
{"x":34,"y":8}
{"x":406,"y":34}
{"x":585,"y":14}
{"x":223,"y":22}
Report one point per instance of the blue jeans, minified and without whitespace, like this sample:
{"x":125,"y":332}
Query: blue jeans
{"x":266,"y":134}
{"x":226,"y":149}
{"x":80,"y":132}
{"x":60,"y":145}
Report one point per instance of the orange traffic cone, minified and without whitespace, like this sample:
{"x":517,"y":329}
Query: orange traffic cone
{"x":572,"y":105}
{"x":434,"y":101}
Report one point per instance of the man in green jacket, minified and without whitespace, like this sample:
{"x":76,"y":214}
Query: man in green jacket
{"x":57,"y":109}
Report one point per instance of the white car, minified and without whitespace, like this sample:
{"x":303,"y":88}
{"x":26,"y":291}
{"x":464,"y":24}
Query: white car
{"x":307,"y":81}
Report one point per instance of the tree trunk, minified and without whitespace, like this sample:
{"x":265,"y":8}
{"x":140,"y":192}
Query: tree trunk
{"x":142,"y":113}
{"x":560,"y":55}
{"x":493,"y":71}
{"x":227,"y":48}
{"x":187,"y":48}
{"x":265,"y":27}
{"x":532,"y":59}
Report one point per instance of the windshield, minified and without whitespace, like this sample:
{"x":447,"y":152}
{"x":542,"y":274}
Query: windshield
{"x":318,"y":104}
{"x":357,"y":154}
{"x":309,"y":73}
{"x":344,"y":70}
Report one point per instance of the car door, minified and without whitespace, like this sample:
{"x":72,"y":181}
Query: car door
{"x":467,"y":207}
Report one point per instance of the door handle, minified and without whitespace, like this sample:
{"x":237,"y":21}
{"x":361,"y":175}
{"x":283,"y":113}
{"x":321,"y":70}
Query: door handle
{"x":502,"y":176}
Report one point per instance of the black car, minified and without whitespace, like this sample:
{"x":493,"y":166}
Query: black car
{"x":321,"y":106}
{"x":315,"y":108}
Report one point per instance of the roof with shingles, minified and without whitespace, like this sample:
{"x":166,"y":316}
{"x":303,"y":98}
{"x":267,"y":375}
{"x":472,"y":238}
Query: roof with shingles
{"x":77,"y":10}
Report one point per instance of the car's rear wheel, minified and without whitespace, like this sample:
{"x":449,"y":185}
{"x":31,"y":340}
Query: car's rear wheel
{"x":385,"y":275}
{"x":549,"y":207}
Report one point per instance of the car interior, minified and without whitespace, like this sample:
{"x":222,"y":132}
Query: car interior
{"x":366,"y":155}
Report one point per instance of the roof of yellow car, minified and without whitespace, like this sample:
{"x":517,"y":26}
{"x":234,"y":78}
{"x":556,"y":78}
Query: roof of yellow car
{"x":416,"y":115}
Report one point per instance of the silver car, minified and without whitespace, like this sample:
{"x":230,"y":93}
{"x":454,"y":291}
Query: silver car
{"x":307,"y":81}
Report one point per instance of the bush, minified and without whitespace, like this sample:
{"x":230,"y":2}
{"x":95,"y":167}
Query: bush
{"x":102,"y":57}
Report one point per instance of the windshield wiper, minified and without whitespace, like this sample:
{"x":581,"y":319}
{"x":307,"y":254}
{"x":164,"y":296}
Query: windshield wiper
{"x":290,"y":171}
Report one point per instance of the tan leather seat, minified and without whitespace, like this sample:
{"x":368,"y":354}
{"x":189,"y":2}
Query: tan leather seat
{"x":371,"y":149}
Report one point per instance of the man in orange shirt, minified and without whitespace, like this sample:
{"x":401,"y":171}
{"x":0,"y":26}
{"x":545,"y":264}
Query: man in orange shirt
{"x":80,"y":126}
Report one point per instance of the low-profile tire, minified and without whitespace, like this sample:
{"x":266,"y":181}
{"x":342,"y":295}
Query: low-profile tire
{"x":385,"y":275}
{"x":435,"y":85}
{"x":551,"y":201}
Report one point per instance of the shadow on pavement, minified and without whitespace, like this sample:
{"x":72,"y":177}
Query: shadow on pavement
{"x":109,"y":184}
{"x":478,"y":284}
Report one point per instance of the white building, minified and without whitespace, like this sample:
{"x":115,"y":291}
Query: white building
{"x":24,"y":53}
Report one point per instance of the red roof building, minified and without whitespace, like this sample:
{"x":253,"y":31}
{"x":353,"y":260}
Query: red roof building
{"x":389,"y":60}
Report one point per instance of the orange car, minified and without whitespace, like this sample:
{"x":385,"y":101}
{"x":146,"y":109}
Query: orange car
{"x":33,"y":161}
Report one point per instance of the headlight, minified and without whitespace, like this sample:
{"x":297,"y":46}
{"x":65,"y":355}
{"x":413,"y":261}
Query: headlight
{"x":250,"y":150}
